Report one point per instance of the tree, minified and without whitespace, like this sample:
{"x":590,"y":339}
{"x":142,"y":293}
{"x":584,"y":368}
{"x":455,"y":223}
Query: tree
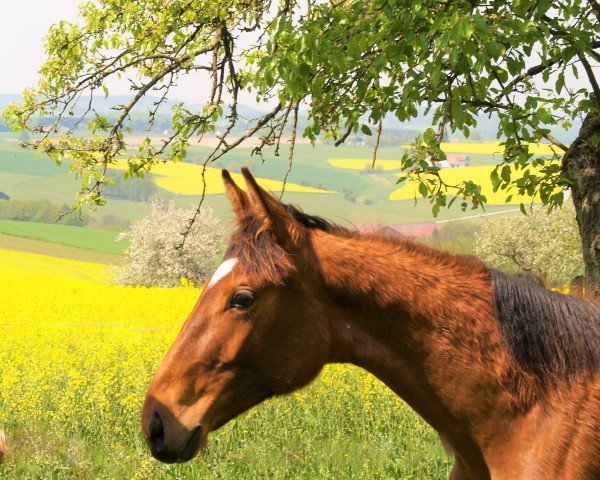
{"x":351,"y":63}
{"x":547,"y":246}
{"x":155,"y":257}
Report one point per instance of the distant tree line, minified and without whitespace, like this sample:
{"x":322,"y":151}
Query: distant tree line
{"x":135,"y":189}
{"x":41,"y":211}
{"x":44,"y":211}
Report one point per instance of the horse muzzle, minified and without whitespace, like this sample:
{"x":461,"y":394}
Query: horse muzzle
{"x":168,"y":439}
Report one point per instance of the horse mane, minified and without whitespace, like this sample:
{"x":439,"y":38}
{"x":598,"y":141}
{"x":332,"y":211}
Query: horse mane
{"x":262,"y":256}
{"x":551,"y":335}
{"x":469,"y":262}
{"x":316,"y":223}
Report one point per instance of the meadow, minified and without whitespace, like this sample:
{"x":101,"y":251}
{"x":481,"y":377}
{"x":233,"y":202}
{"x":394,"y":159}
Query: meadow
{"x":78,"y":353}
{"x":89,"y":238}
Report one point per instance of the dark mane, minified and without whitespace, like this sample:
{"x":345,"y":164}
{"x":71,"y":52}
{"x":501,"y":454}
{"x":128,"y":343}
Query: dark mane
{"x":551,"y":335}
{"x":316,"y":223}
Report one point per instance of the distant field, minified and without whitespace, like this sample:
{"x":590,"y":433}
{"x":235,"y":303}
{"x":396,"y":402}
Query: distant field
{"x":31,"y":245}
{"x":363,"y":198}
{"x":480,"y":175}
{"x":186,"y":179}
{"x":82,"y":237}
{"x":362,"y":164}
{"x":491,"y":148}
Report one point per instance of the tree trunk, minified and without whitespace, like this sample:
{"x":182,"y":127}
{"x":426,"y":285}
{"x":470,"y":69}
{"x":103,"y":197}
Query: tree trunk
{"x":581,"y":164}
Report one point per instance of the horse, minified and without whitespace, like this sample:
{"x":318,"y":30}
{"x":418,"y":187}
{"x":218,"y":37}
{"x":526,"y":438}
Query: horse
{"x":506,"y":371}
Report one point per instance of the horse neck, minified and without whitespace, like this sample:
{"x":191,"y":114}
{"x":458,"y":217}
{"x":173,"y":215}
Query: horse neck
{"x":423,"y":322}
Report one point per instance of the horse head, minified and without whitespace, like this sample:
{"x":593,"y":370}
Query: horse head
{"x":258,"y":329}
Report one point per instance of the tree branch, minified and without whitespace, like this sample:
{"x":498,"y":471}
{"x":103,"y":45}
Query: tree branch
{"x":591,"y":77}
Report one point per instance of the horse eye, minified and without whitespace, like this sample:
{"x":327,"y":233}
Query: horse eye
{"x":241,"y":300}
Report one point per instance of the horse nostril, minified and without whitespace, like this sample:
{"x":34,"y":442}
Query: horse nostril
{"x":156,"y":433}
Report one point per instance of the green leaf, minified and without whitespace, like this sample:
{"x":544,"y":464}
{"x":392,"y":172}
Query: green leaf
{"x":494,"y":177}
{"x":505,"y":174}
{"x":366,"y":130}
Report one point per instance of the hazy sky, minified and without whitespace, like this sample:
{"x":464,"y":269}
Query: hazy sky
{"x":23,"y":26}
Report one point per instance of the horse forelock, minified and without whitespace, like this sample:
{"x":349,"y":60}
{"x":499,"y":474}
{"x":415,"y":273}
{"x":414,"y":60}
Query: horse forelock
{"x":551,"y":335}
{"x":257,"y":252}
{"x":260,"y":255}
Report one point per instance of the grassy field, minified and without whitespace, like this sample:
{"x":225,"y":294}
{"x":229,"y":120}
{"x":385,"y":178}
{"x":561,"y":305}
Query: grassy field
{"x":88,"y":238}
{"x":361,"y":199}
{"x":77,"y":355}
{"x":364,"y":164}
{"x":494,"y":148}
{"x":24,"y":244}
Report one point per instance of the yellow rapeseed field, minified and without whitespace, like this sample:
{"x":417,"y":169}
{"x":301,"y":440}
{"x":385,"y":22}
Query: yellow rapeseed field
{"x":186,"y":179}
{"x":480,"y":175}
{"x":364,"y":163}
{"x":492,"y":148}
{"x":78,"y":353}
{"x":486,"y":148}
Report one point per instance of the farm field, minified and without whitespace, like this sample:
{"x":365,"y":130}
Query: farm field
{"x":186,"y":179}
{"x":480,"y":175}
{"x":364,"y":164}
{"x":31,"y":245}
{"x":78,"y":355}
{"x":359,"y":198}
{"x":89,"y":238}
{"x":493,"y":148}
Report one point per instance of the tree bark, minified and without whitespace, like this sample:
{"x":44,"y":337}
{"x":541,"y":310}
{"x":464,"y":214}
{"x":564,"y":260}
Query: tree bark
{"x":581,"y":164}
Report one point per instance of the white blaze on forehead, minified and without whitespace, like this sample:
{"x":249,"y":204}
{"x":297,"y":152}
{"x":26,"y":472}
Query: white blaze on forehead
{"x":222,"y":271}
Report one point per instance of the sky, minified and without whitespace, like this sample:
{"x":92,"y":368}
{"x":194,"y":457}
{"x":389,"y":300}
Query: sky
{"x":23,"y":26}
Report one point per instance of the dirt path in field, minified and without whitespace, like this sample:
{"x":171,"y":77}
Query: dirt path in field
{"x":209,"y":142}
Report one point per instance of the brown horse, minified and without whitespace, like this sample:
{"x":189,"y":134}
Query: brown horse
{"x":506,"y":371}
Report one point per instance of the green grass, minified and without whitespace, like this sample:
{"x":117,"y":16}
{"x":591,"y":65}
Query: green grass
{"x":24,"y":244}
{"x":334,"y":430}
{"x":81,"y":237}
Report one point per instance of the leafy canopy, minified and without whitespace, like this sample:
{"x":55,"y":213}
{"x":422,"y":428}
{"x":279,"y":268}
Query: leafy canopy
{"x":351,"y":63}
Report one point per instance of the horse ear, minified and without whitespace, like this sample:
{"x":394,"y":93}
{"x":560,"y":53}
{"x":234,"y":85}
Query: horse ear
{"x":272,"y":214}
{"x":237,"y":197}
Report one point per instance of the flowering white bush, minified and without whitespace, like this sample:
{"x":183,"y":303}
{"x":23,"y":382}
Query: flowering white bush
{"x":155,"y":258}
{"x":544,"y":244}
